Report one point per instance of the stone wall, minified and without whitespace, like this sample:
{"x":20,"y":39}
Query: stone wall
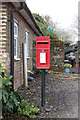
{"x":57,"y":55}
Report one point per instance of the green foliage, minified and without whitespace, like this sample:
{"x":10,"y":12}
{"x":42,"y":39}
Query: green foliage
{"x":56,"y":33}
{"x":11,"y":102}
{"x":67,"y":65}
{"x":44,"y":24}
{"x":39,"y":18}
{"x":26,"y":109}
{"x":51,"y":34}
{"x":9,"y":98}
{"x":1,"y":68}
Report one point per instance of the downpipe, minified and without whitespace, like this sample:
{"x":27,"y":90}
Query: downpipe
{"x":12,"y":40}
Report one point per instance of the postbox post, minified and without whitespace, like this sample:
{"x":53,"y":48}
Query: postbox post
{"x":43,"y":61}
{"x":43,"y":88}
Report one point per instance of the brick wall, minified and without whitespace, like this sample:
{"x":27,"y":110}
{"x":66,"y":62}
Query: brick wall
{"x":18,"y":64}
{"x":4,"y":55}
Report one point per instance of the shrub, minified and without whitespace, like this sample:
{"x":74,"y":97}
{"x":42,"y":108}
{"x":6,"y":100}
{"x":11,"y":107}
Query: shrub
{"x":11,"y":102}
{"x":9,"y":98}
{"x":67,"y":65}
{"x":27,"y":109}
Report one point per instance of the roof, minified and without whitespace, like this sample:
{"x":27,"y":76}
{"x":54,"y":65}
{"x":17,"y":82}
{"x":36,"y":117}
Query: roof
{"x":68,"y":50}
{"x":27,"y":15}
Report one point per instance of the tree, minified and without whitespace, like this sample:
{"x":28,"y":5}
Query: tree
{"x":64,"y":36}
{"x":50,"y":28}
{"x":44,"y":23}
{"x":75,"y":27}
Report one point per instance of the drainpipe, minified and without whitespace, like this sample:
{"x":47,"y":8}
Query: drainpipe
{"x":12,"y":48}
{"x":12,"y":41}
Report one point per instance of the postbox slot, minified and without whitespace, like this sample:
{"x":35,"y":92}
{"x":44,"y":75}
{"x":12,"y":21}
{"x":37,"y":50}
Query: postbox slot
{"x":42,"y":42}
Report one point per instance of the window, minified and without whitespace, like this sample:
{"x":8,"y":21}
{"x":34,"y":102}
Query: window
{"x":15,"y":39}
{"x":27,"y":45}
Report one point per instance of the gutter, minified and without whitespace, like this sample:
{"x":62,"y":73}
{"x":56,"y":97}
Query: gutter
{"x":12,"y":41}
{"x":34,"y":27}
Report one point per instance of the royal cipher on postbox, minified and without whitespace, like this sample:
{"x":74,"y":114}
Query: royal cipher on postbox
{"x":42,"y":52}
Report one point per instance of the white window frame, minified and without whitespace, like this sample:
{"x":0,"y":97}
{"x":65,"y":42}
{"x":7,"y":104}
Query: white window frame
{"x":15,"y":38}
{"x":27,"y":45}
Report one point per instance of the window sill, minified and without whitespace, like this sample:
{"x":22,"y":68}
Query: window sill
{"x":16,"y":59}
{"x":28,"y":57}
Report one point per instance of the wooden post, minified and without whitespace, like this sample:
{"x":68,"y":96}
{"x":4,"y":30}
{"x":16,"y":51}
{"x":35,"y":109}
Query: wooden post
{"x":24,"y":65}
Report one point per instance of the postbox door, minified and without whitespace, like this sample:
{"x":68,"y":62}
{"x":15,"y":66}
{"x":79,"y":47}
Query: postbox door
{"x":42,"y":61}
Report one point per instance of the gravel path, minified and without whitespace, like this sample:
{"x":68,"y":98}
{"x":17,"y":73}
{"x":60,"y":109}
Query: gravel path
{"x":61,"y":95}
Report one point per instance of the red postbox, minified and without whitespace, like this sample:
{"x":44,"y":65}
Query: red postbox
{"x":42,"y":52}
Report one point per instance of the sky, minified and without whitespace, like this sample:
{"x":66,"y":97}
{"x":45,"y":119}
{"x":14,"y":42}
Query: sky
{"x":62,"y":12}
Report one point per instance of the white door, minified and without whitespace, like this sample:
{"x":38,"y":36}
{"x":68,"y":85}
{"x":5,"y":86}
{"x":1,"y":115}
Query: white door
{"x":25,"y":59}
{"x":25,"y":65}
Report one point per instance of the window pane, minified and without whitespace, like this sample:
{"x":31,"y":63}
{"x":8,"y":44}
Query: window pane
{"x":15,"y":30}
{"x":27,"y":44}
{"x":15,"y":38}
